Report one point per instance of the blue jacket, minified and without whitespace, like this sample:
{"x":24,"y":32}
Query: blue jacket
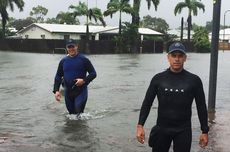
{"x":70,"y":68}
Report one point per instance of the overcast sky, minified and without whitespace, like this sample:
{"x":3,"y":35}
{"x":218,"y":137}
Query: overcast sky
{"x":165,"y":10}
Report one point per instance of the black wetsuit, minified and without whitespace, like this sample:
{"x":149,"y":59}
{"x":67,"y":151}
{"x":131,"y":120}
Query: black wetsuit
{"x":175,"y":93}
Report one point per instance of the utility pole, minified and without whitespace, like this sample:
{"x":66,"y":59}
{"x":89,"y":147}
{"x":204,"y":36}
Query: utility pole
{"x":214,"y":56}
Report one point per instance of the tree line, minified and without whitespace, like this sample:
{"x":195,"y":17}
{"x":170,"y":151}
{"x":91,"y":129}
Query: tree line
{"x":38,"y":13}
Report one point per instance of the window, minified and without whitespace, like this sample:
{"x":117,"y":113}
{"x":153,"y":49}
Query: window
{"x":43,"y":36}
{"x":66,"y":37}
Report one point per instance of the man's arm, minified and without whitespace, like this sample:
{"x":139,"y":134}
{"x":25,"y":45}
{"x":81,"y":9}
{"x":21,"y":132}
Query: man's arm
{"x":144,"y":112}
{"x":147,"y":103}
{"x":202,"y":113}
{"x":92,"y":72}
{"x":58,"y":77}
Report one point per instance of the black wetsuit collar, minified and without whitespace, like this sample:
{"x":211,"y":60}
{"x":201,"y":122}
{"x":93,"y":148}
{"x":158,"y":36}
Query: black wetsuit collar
{"x":175,"y":73}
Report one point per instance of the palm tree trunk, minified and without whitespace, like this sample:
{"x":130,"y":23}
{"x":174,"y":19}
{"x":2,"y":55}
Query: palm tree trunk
{"x":189,"y":26}
{"x":135,"y":16}
{"x":120,"y":24}
{"x":87,"y":28}
{"x":182,"y":29}
{"x":3,"y":28}
{"x":136,"y":21}
{"x":87,"y":35}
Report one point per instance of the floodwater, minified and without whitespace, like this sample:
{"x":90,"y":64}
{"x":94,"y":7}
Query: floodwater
{"x":31,"y":120}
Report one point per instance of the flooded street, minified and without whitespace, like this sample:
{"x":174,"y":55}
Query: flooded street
{"x":31,"y":120}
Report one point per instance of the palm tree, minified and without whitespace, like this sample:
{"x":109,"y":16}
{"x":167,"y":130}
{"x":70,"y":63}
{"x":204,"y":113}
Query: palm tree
{"x":118,"y":6}
{"x":66,"y":17}
{"x":192,"y":6}
{"x":136,"y":16}
{"x":137,"y":5}
{"x":82,"y":10}
{"x":4,"y":4}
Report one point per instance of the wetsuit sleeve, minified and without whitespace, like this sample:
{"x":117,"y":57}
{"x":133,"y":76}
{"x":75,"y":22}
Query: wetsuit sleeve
{"x":147,"y":103}
{"x":201,"y":106}
{"x":58,"y":77}
{"x":90,"y":69}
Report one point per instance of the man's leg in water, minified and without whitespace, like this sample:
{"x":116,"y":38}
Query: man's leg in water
{"x":80,"y":101}
{"x":69,"y":102}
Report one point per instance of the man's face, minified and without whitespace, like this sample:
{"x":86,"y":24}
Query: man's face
{"x":176,"y":60}
{"x":72,"y":50}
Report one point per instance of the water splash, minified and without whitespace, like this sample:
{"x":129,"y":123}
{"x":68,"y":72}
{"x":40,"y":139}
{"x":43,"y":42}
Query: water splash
{"x":89,"y":115}
{"x":3,"y":139}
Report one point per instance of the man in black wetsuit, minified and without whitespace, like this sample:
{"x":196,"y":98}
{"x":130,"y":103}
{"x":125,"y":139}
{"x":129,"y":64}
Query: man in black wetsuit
{"x":175,"y":89}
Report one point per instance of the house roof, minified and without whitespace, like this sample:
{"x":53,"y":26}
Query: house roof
{"x":64,"y":28}
{"x":147,"y":31}
{"x":142,"y":31}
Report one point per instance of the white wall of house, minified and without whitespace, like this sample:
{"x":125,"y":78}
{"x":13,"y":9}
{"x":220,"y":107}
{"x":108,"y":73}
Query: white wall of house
{"x":78,"y":32}
{"x":224,"y":35}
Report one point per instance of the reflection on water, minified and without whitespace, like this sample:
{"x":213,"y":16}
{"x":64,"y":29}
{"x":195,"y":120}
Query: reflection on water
{"x":75,"y":136}
{"x":32,"y":121}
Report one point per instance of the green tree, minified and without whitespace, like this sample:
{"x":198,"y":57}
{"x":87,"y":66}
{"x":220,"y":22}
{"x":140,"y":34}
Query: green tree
{"x":120,"y":6}
{"x":66,"y":17}
{"x":201,"y":40}
{"x":21,"y":23}
{"x":52,"y":20}
{"x":4,"y":5}
{"x":39,"y":12}
{"x":209,"y":26}
{"x":136,"y":7}
{"x":125,"y":41}
{"x":193,"y":6}
{"x":157,"y":24}
{"x":194,"y":26}
{"x":82,"y":10}
{"x":136,"y":16}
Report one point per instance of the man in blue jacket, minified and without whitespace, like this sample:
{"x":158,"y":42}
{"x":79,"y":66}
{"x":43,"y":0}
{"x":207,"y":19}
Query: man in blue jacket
{"x":72,"y":70}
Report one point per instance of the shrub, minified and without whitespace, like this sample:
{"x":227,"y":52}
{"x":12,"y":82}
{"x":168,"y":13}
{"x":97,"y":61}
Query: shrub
{"x":201,"y":40}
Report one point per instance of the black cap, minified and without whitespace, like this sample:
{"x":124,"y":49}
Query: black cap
{"x":70,"y":42}
{"x":177,"y":46}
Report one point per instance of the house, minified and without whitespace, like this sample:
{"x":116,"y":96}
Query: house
{"x":177,"y":33}
{"x":58,"y":31}
{"x":224,"y":39}
{"x":224,"y":35}
{"x":78,"y":32}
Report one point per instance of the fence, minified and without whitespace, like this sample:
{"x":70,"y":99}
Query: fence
{"x":224,"y":46}
{"x":58,"y":46}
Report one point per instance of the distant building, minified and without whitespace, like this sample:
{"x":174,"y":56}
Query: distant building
{"x":177,"y":33}
{"x":224,"y":39}
{"x":78,"y":32}
{"x":12,"y":29}
{"x":224,"y":35}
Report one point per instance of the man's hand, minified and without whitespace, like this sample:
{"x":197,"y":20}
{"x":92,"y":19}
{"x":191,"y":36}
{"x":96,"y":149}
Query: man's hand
{"x":57,"y":96}
{"x":140,"y":134}
{"x":203,"y":140}
{"x":79,"y":82}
